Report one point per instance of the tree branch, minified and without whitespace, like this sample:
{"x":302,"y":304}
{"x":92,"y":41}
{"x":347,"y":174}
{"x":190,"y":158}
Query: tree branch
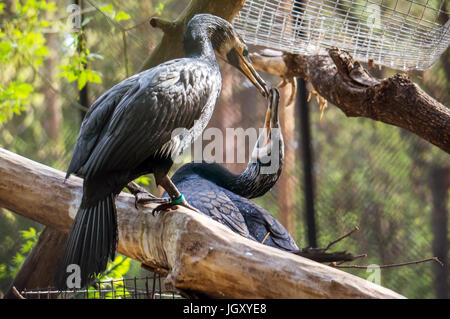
{"x":198,"y":254}
{"x":344,"y":82}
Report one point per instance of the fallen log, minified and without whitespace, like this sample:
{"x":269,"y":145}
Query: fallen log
{"x":198,"y":255}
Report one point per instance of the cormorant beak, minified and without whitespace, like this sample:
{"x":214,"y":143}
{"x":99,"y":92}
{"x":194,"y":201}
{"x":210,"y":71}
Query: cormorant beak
{"x":264,"y":145}
{"x":243,"y":65}
{"x":272,"y":115}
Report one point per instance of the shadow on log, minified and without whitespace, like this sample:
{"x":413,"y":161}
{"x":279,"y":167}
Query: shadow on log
{"x":197,"y":254}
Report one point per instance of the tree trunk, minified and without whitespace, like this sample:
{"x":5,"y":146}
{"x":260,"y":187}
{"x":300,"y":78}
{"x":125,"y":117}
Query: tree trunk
{"x":53,"y":120}
{"x":198,"y":254}
{"x":38,"y":269}
{"x":287,"y":182}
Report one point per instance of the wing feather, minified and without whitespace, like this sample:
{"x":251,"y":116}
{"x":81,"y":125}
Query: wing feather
{"x":143,"y":121}
{"x":95,"y":123}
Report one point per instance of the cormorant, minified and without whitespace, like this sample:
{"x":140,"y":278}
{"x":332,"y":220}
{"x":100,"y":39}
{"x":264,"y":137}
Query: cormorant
{"x":224,"y":196}
{"x":128,"y":132}
{"x":215,"y":191}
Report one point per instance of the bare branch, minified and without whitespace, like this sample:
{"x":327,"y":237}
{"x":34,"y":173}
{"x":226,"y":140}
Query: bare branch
{"x":343,"y":81}
{"x":17,"y":293}
{"x":341,"y":238}
{"x":435,"y":259}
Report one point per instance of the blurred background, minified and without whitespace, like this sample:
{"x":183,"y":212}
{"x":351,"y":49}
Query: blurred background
{"x":390,"y":183}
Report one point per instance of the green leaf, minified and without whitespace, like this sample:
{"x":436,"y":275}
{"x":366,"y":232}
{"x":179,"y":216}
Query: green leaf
{"x":28,"y":234}
{"x":86,"y":21}
{"x":107,"y":8}
{"x":5,"y":50}
{"x":93,"y":76}
{"x":144,"y":180}
{"x":42,"y":51}
{"x":121,"y":15}
{"x":20,"y":90}
{"x":82,"y":80}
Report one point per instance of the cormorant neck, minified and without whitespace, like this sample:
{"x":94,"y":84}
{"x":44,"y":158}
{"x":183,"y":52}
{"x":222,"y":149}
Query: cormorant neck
{"x":253,"y":182}
{"x":197,"y":44}
{"x":205,"y":34}
{"x":249,"y":184}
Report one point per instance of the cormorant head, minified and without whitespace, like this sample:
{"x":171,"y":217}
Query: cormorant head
{"x":266,"y":162}
{"x":227,"y":44}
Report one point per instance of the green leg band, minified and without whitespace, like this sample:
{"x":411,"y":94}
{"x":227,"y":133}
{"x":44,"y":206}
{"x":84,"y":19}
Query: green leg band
{"x":179,"y":200}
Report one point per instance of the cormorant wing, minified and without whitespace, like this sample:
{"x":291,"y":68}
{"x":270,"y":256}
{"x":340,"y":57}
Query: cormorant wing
{"x":212,"y":201}
{"x":258,"y":219}
{"x":95,"y":122}
{"x":166,"y":97}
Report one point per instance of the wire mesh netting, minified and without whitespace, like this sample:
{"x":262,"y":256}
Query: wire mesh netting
{"x":124,"y":288}
{"x":401,"y":34}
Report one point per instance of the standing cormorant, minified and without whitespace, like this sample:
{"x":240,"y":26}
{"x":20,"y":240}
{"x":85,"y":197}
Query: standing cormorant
{"x":128,"y":132}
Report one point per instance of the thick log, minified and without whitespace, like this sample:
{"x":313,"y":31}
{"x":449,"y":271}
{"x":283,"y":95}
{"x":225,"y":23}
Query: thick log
{"x":343,"y":81}
{"x":198,"y":255}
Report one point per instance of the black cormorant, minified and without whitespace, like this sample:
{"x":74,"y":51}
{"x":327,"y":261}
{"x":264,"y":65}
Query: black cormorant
{"x":224,"y":196}
{"x":128,"y":132}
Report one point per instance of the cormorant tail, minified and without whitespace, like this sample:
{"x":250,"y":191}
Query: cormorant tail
{"x":91,"y":241}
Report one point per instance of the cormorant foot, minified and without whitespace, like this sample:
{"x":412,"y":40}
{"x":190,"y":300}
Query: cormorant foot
{"x":142,"y":199}
{"x":173,"y":205}
{"x":142,"y":196}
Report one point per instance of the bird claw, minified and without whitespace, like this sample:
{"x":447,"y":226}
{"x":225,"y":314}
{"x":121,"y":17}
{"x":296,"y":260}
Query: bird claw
{"x":164,"y":207}
{"x":142,"y":199}
{"x":172,"y":206}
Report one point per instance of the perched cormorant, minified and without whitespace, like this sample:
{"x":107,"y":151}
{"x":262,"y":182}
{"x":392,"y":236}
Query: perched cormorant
{"x":128,"y":132}
{"x":215,"y":191}
{"x":224,"y":196}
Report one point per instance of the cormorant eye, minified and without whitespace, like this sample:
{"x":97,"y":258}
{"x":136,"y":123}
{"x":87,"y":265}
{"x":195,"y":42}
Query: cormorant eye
{"x":245,"y":52}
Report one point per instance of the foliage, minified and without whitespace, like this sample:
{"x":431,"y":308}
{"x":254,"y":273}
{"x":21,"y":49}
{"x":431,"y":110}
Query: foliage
{"x":110,"y":279}
{"x":10,"y":270}
{"x":113,"y":14}
{"x":21,"y":42}
{"x":77,"y":68}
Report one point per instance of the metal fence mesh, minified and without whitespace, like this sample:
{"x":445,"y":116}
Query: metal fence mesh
{"x":124,"y":288}
{"x":401,"y":34}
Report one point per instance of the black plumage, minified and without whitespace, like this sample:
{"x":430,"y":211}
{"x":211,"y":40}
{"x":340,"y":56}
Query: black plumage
{"x":140,"y":126}
{"x":225,"y":196}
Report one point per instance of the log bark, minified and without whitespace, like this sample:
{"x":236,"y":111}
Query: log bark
{"x":344,"y":82}
{"x":198,"y":255}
